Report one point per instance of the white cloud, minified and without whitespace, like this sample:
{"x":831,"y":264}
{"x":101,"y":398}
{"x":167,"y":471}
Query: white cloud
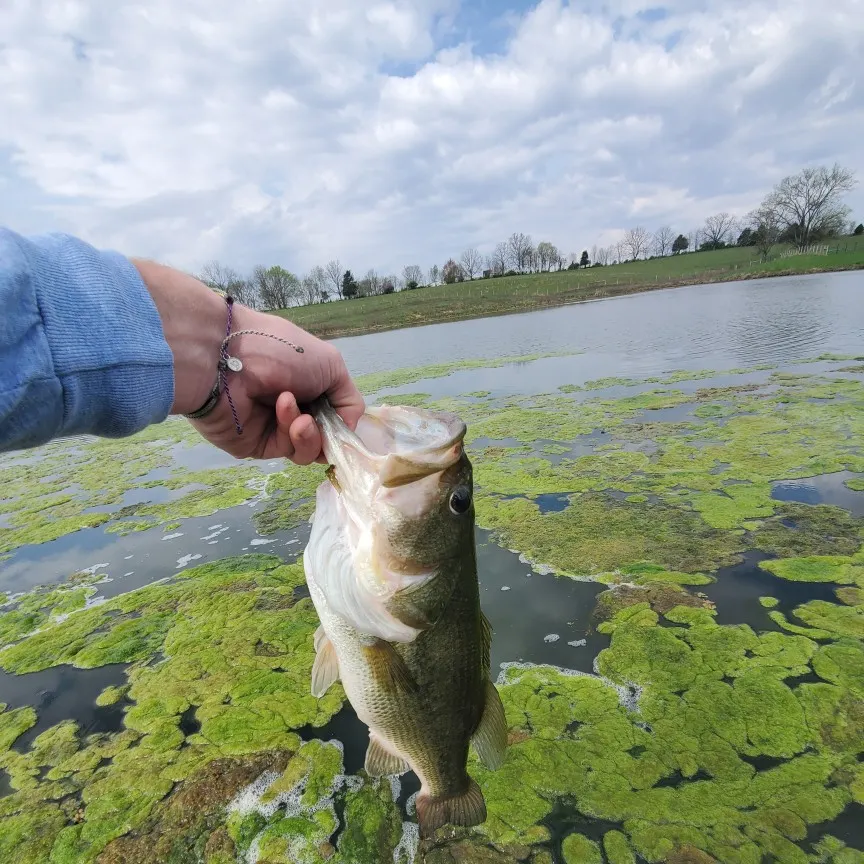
{"x":381,"y":133}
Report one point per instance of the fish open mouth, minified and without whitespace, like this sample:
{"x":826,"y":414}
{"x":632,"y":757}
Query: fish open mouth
{"x":391,"y":446}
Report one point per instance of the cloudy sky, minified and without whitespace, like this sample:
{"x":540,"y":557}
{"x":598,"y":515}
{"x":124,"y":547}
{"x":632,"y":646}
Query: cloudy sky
{"x":389,"y":132}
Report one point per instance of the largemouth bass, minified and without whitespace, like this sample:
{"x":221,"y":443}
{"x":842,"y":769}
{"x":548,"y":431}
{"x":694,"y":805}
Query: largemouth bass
{"x":391,"y":569}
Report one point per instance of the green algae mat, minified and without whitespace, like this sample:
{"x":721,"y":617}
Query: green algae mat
{"x":699,"y":737}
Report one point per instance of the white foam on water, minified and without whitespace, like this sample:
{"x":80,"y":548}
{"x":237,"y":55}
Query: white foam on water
{"x":128,"y":557}
{"x":578,"y":643}
{"x":182,"y":562}
{"x":248,"y":800}
{"x":91,"y":571}
{"x":406,"y":850}
{"x":628,"y":697}
{"x":552,"y":637}
{"x":261,"y":541}
{"x":505,"y":587}
{"x":215,"y":531}
{"x":173,"y":536}
{"x":411,"y":805}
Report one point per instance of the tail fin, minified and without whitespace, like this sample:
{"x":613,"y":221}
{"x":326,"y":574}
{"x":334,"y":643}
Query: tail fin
{"x":465,"y":810}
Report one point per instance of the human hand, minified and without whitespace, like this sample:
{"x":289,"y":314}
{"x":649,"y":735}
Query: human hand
{"x":275,"y":379}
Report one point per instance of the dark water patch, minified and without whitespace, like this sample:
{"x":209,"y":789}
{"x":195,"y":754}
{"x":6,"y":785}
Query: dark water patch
{"x":763,"y":763}
{"x":346,"y":728}
{"x":5,"y":785}
{"x":848,"y":827}
{"x":65,"y":693}
{"x":189,"y":723}
{"x":146,"y":495}
{"x":673,"y":414}
{"x":409,"y":784}
{"x":141,"y":557}
{"x":508,"y":443}
{"x":822,"y":489}
{"x":737,"y":590}
{"x":676,"y":779}
{"x":552,"y":502}
{"x":808,"y":678}
{"x":526,"y":609}
{"x":565,"y":819}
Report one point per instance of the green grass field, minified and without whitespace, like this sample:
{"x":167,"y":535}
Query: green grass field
{"x":485,"y":297}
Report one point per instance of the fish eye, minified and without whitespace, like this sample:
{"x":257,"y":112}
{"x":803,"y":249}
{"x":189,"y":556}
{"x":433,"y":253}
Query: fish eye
{"x":460,"y":500}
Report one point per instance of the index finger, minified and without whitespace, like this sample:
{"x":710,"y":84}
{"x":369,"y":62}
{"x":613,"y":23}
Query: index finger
{"x":343,"y":394}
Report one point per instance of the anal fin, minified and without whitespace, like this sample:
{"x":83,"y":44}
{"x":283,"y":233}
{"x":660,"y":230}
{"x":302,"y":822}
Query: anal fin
{"x":381,"y":762}
{"x":490,"y":737}
{"x":464,"y":810}
{"x":325,"y":669}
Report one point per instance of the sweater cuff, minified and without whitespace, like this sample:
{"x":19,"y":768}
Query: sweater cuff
{"x":105,"y":336}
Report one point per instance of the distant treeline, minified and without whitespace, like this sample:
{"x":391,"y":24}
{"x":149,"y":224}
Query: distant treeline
{"x":801,"y":209}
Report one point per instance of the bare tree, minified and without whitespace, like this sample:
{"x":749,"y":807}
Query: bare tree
{"x":663,"y":238}
{"x":228,"y":281}
{"x":333,"y":271}
{"x":276,"y":286}
{"x":636,"y":242}
{"x":718,"y":230}
{"x":499,"y":259}
{"x":218,"y":276}
{"x":313,"y":287}
{"x":765,"y":225}
{"x":434,"y":275}
{"x":520,"y":249}
{"x":810,"y":202}
{"x":451,"y":272}
{"x":471,"y":261}
{"x":695,"y":238}
{"x":601,"y":255}
{"x":547,"y":255}
{"x":374,"y":281}
{"x":412,"y":274}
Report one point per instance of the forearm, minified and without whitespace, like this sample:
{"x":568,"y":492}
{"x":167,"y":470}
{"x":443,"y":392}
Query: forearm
{"x":82,"y":347}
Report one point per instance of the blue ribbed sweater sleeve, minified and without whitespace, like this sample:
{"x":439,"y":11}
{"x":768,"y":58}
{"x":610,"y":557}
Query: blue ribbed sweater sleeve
{"x":81,"y":344}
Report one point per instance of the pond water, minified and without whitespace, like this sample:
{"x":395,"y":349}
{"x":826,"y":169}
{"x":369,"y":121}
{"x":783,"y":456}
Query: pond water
{"x":695,"y":327}
{"x":537,"y":618}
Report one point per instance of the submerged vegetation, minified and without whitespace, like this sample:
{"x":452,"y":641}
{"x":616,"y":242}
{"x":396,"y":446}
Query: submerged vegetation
{"x":693,"y":741}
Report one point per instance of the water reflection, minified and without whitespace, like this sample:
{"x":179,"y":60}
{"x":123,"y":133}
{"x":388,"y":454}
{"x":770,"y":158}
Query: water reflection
{"x":143,"y":556}
{"x":65,"y":693}
{"x":694,"y":327}
{"x":825,"y":489}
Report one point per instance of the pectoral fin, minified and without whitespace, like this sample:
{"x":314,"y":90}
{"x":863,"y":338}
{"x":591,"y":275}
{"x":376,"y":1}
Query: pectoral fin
{"x":388,"y":668}
{"x":380,"y":761}
{"x":490,"y":738}
{"x":325,"y":669}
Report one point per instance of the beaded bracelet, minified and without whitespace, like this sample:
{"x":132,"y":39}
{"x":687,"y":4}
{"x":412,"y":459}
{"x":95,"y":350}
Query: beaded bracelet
{"x":231,"y":364}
